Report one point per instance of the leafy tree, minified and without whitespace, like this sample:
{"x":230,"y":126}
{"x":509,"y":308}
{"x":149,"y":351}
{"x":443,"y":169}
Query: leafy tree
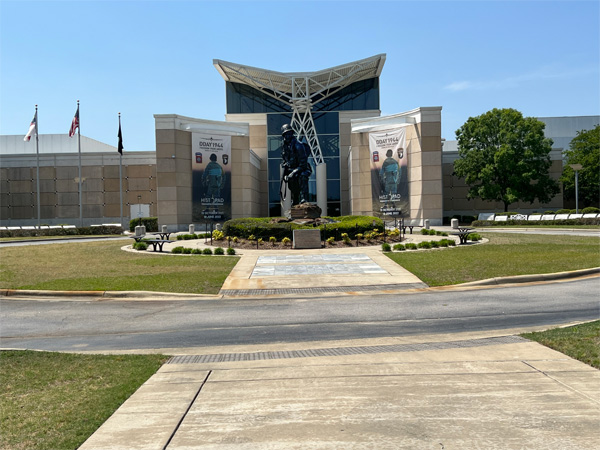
{"x":584,"y":150}
{"x":504,"y":156}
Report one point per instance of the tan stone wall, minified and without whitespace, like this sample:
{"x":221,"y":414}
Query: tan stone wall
{"x":174,"y":178}
{"x":456,"y":190}
{"x":424,"y":147}
{"x":245,"y":182}
{"x":59,"y":189}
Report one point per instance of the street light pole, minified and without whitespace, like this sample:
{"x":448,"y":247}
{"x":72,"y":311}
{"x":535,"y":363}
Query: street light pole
{"x":576,"y":168}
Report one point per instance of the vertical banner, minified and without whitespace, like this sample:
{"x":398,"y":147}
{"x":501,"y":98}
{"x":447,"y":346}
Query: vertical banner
{"x":211,"y":177}
{"x":389,"y":177}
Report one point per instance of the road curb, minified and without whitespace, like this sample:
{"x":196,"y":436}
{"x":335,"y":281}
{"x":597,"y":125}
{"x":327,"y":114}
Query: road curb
{"x":107,"y":294}
{"x":533,"y":278}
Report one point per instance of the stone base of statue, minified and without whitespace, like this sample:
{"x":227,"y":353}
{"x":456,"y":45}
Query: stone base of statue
{"x":305,"y":211}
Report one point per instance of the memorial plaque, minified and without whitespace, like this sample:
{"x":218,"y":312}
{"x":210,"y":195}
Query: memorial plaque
{"x":307,"y":239}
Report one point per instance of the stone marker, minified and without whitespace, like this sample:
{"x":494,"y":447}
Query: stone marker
{"x":307,"y":239}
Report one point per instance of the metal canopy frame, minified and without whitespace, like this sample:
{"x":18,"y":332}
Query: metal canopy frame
{"x":302,"y":90}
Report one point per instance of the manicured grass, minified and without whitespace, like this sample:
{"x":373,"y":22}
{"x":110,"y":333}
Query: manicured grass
{"x":57,"y":400}
{"x":505,"y":255}
{"x":581,"y":342}
{"x":104,"y":266}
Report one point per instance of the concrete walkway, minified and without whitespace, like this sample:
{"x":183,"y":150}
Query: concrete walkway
{"x":461,"y":391}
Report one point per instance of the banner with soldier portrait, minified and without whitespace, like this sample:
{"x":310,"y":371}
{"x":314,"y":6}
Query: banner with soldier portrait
{"x":211,"y":177}
{"x":389,"y":173}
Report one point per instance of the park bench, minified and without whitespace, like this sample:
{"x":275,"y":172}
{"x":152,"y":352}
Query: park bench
{"x":410,"y":224}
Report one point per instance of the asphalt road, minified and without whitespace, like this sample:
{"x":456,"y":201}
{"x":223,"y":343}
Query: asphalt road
{"x":143,"y":325}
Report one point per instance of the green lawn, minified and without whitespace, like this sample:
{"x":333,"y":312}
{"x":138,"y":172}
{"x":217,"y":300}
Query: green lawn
{"x":581,"y":342}
{"x":57,"y":400}
{"x":505,"y":255}
{"x":104,"y":266}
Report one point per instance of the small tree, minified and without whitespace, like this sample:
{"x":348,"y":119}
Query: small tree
{"x":584,"y":150}
{"x":505,"y":157}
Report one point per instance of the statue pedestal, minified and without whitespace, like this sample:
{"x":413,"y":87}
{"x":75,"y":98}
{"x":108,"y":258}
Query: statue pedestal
{"x":305,"y":211}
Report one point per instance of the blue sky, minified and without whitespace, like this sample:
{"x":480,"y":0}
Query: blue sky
{"x":142,"y":58}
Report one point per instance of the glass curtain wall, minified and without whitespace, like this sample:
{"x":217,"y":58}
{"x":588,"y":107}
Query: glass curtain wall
{"x":328,"y":132}
{"x":359,"y":96}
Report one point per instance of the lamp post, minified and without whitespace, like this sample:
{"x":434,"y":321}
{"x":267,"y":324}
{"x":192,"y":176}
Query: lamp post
{"x":576,"y":168}
{"x":140,"y":209}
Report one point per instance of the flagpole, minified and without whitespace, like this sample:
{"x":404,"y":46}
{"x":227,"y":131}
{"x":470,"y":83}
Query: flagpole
{"x":79,"y":150}
{"x":121,"y":176}
{"x":37,"y":152}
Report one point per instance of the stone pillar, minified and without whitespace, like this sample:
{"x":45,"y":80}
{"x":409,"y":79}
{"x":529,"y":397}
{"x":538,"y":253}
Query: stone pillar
{"x":322,"y":188}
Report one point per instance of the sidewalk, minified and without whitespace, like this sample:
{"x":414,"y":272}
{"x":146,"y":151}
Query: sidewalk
{"x":462,"y":391}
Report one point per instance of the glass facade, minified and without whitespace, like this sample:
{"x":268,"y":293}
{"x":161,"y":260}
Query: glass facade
{"x":362,"y":95}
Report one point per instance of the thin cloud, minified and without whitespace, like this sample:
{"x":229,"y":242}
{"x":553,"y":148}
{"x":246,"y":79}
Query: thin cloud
{"x":545,"y":73}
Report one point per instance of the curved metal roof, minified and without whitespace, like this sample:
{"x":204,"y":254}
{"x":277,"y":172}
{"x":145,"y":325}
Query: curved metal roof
{"x":292,"y":87}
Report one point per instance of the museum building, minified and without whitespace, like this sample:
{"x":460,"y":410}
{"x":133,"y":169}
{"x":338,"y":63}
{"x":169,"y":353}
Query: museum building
{"x":206,"y":171}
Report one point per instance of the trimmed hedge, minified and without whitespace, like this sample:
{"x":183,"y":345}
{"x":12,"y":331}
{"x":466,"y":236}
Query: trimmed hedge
{"x":78,"y":231}
{"x":564,"y":222}
{"x":151,"y":223}
{"x":261,"y":227}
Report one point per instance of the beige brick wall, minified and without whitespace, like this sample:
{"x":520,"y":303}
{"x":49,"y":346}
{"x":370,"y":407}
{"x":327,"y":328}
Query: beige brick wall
{"x":59,"y":188}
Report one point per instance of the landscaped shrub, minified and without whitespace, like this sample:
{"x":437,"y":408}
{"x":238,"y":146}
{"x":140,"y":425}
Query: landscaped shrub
{"x":346,"y":238}
{"x":186,"y":237}
{"x":443,"y":243}
{"x":411,"y":246}
{"x":424,"y":244}
{"x":386,"y":247}
{"x":218,"y":235}
{"x":272,"y":240}
{"x":399,"y":247}
{"x":207,"y":251}
{"x":151,"y":223}
{"x":330,"y":240}
{"x":265,"y":227}
{"x":83,"y":231}
{"x":196,"y":251}
{"x":219,"y":251}
{"x":474,"y":237}
{"x":590,"y":210}
{"x":231,"y":251}
{"x":187,"y":251}
{"x":177,"y":250}
{"x":140,"y":246}
{"x":434,"y":244}
{"x":286,"y":241}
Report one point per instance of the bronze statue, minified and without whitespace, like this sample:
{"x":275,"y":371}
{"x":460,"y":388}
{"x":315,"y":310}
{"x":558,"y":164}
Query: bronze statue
{"x":296,"y":169}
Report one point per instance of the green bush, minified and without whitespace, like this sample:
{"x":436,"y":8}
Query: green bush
{"x":151,"y":223}
{"x":272,"y":240}
{"x":443,"y":243}
{"x":565,"y":211}
{"x":266,"y":227}
{"x":434,"y":244}
{"x":286,"y":241}
{"x":219,"y":251}
{"x":187,"y":251}
{"x":346,"y":238}
{"x":474,"y":237}
{"x":186,"y":237}
{"x":207,"y":251}
{"x":218,"y":235}
{"x":386,"y":247}
{"x":196,"y":251}
{"x":231,"y":251}
{"x":424,"y":244}
{"x":563,"y":222}
{"x":330,"y":240}
{"x":590,"y":210}
{"x":140,"y":246}
{"x":411,"y":246}
{"x":399,"y":247}
{"x":177,"y":250}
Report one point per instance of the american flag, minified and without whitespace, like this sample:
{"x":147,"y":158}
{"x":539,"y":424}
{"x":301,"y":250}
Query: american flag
{"x":74,"y":124}
{"x":32,"y":128}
